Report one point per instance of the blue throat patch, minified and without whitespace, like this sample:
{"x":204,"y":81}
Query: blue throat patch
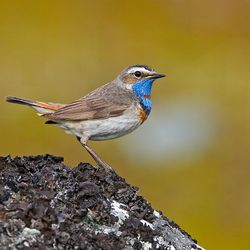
{"x":142,"y":90}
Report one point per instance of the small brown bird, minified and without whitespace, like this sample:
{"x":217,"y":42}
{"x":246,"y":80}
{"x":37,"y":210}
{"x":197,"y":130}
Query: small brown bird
{"x":112,"y":110}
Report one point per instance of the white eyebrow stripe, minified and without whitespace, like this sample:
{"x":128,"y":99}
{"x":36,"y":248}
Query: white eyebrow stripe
{"x":141,"y":69}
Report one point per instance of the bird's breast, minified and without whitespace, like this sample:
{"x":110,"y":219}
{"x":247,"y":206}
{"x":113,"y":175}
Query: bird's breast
{"x":142,"y":113}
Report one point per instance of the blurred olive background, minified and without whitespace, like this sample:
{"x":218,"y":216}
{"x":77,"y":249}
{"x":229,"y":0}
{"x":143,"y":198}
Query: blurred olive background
{"x":191,"y":158}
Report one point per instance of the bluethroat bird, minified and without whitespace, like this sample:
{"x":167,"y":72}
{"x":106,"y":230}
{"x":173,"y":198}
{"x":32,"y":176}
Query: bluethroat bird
{"x":110,"y":111}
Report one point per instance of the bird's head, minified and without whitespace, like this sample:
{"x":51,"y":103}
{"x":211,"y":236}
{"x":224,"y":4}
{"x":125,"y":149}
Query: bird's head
{"x":138,"y":74}
{"x":139,"y":79}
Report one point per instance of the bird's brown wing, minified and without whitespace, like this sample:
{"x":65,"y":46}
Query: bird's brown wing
{"x":106,"y":101}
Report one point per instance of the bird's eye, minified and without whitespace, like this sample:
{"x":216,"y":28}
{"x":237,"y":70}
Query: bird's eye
{"x":137,"y":73}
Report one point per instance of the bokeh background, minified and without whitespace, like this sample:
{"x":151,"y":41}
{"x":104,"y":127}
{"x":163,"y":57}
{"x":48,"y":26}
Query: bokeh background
{"x":191,"y":158}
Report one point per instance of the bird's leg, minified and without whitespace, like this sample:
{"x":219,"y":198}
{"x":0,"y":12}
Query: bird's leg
{"x":95,"y":156}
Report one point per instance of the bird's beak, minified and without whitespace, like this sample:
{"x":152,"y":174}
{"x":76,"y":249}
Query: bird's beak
{"x":156,"y":76}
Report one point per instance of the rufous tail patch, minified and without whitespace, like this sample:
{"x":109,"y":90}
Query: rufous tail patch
{"x":46,"y":105}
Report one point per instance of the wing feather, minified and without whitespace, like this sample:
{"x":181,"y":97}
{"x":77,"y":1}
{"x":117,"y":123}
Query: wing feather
{"x":107,"y":101}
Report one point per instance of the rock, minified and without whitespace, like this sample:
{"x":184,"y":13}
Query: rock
{"x":47,"y":205}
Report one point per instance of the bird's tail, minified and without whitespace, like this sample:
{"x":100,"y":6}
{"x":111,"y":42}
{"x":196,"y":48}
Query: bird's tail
{"x":41,"y":107}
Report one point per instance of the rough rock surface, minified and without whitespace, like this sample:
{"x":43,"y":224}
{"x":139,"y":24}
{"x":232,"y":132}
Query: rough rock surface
{"x":47,"y":205}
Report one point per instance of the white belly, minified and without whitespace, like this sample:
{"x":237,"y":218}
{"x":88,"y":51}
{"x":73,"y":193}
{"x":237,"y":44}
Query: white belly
{"x":106,"y":129}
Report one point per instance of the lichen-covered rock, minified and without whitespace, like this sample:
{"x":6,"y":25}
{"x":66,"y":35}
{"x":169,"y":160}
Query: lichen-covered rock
{"x":47,"y":205}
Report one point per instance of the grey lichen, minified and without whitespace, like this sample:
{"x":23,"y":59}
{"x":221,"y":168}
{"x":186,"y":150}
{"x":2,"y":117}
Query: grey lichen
{"x":45,"y":204}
